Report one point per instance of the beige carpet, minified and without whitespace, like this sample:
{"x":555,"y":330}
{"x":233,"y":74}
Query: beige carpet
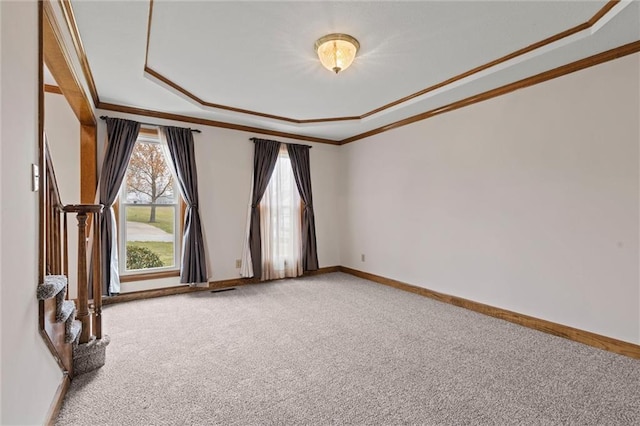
{"x":335,"y":349}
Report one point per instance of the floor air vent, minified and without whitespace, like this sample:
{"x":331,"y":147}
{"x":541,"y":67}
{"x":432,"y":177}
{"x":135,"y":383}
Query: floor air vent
{"x":220,"y":290}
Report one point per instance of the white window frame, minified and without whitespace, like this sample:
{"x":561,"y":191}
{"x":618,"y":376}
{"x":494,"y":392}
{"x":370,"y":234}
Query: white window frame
{"x":122,"y":219}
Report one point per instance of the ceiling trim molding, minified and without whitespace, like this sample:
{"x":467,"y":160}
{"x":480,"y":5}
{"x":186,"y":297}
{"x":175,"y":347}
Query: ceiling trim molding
{"x":156,"y":75}
{"x":212,"y":123}
{"x":554,"y":38}
{"x":50,"y":88}
{"x":559,"y":36}
{"x":70,"y":20}
{"x":581,"y":64}
{"x":57,"y":59}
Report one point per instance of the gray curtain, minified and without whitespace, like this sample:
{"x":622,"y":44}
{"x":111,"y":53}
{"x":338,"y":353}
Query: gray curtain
{"x":193,"y":268}
{"x":299,"y":155}
{"x":122,"y":135}
{"x":264,"y":162}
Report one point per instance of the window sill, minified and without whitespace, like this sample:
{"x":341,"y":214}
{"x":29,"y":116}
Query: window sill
{"x":149,"y":276}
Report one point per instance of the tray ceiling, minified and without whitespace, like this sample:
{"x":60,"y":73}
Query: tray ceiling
{"x":253,"y":63}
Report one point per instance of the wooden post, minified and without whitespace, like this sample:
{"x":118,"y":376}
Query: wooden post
{"x":82,"y":211}
{"x":49,"y":233}
{"x":55,"y":267}
{"x":83,"y":293}
{"x":65,"y":270}
{"x":97,"y":277}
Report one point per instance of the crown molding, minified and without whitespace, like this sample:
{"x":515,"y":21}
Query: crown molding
{"x":156,"y":75}
{"x":581,"y":64}
{"x":212,"y":123}
{"x":559,"y":36}
{"x":547,"y":75}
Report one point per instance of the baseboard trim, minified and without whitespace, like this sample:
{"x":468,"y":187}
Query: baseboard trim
{"x":585,"y":337}
{"x":150,"y":294}
{"x":567,"y":332}
{"x":57,"y":400}
{"x":320,"y":271}
{"x":213,"y":285}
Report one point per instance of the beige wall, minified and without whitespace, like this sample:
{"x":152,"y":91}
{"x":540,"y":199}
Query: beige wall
{"x":527,"y":202}
{"x":63,"y":135}
{"x":1,"y":118}
{"x":30,"y":375}
{"x":224,"y":159}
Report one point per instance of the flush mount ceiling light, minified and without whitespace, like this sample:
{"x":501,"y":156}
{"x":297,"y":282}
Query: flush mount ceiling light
{"x":337,"y":51}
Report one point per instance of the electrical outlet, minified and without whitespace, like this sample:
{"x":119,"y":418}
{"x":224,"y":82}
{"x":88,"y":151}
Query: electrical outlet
{"x":238,"y":263}
{"x":362,"y":257}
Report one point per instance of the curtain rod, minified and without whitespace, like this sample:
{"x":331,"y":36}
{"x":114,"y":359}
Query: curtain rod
{"x":254,"y":139}
{"x":104,"y":117}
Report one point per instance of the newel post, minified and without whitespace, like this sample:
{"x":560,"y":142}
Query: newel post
{"x":83,"y":290}
{"x":82,"y":212}
{"x":97,"y":278}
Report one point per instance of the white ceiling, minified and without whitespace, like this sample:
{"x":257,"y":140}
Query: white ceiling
{"x":259,"y":55}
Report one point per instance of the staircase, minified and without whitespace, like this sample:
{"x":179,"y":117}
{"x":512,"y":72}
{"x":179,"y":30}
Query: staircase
{"x":55,"y":286}
{"x":72,"y":329}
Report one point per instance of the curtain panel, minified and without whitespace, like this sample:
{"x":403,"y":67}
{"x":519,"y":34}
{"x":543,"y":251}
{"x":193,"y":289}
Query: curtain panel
{"x":179,"y":141}
{"x":299,"y":155}
{"x":121,"y":135}
{"x":280,"y":223}
{"x":264,"y":162}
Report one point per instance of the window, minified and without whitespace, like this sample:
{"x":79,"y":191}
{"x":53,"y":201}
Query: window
{"x":280,"y":222}
{"x":149,"y":212}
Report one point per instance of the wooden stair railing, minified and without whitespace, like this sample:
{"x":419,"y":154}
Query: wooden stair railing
{"x":91,"y":322}
{"x":55,"y":264}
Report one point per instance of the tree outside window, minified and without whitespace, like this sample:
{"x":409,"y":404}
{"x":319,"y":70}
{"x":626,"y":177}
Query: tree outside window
{"x":149,"y":211}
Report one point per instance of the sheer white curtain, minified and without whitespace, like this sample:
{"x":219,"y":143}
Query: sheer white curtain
{"x":280,"y":223}
{"x":246,"y":268}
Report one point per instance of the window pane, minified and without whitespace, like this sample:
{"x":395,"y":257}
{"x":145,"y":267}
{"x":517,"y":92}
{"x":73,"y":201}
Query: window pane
{"x":149,"y":200}
{"x":280,"y":223}
{"x":149,"y":179}
{"x":150,"y":236}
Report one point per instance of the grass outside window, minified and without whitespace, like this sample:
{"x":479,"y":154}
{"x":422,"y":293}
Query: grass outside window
{"x":158,"y":244}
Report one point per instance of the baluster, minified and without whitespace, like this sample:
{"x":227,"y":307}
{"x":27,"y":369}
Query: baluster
{"x":56,"y":242}
{"x":48,"y":225}
{"x":97,"y":278}
{"x":65,"y":240}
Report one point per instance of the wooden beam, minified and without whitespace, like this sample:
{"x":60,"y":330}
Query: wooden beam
{"x":88,"y":163}
{"x":59,"y":64}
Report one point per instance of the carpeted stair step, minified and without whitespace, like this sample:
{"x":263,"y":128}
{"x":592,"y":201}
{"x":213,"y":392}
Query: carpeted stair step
{"x":89,"y":356}
{"x":51,"y":286}
{"x":65,"y":310}
{"x":73,"y":328}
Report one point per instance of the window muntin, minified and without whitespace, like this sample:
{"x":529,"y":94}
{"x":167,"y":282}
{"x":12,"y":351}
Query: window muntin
{"x":149,"y":212}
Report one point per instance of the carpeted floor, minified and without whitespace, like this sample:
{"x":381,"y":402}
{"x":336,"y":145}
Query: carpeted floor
{"x":335,"y":349}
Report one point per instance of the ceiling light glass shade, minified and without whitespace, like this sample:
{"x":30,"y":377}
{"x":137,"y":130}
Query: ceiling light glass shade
{"x":337,"y":51}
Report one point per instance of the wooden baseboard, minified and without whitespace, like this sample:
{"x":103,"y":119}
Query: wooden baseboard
{"x":181,"y":289}
{"x":577,"y":335}
{"x":326,"y":270}
{"x":149,"y":294}
{"x":57,"y":400}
